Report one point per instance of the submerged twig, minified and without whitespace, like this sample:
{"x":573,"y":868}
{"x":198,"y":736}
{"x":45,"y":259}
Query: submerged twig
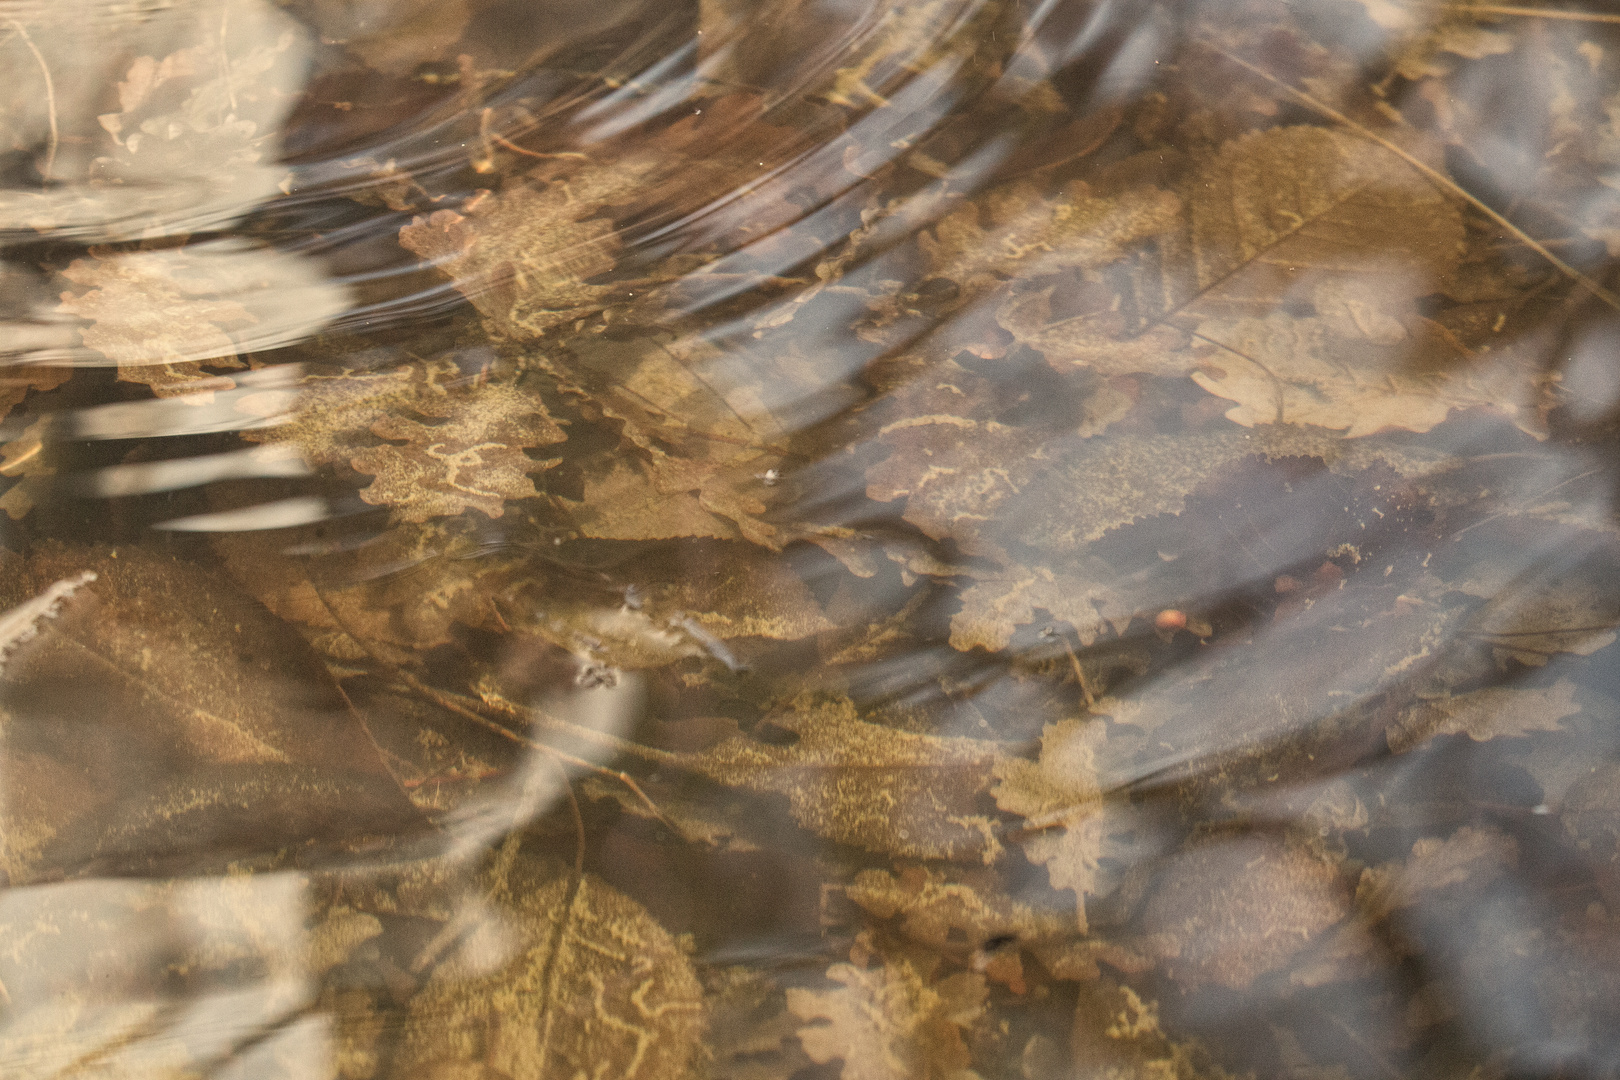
{"x":50,"y":97}
{"x":449,"y":702}
{"x":1528,"y":13}
{"x":1434,"y":175}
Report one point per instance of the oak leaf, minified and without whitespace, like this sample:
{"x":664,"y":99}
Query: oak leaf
{"x":1496,"y":713}
{"x":1061,"y":802}
{"x":28,"y":460}
{"x":1028,"y":235}
{"x":17,"y":380}
{"x":1470,"y":855}
{"x":164,"y":316}
{"x":466,"y":451}
{"x":890,"y":1023}
{"x":1118,"y":1034}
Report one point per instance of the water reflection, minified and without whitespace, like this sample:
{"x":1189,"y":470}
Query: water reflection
{"x":967,"y":538}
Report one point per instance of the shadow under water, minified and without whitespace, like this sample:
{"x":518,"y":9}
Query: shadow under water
{"x":1002,"y":539}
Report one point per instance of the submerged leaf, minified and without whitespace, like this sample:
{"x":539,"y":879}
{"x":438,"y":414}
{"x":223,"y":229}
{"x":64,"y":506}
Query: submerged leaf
{"x":890,"y":1023}
{"x":859,"y":783}
{"x":941,"y":913}
{"x":178,"y":661}
{"x":466,"y":453}
{"x":1497,"y":713}
{"x":1228,"y":911}
{"x":1061,"y":802}
{"x":559,"y":979}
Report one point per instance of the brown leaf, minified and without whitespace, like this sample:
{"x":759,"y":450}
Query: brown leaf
{"x":523,"y":257}
{"x":16,"y":381}
{"x":703,"y":449}
{"x":944,"y":914}
{"x":163,"y":316}
{"x":437,"y":576}
{"x":890,"y":1023}
{"x":1469,"y":855}
{"x":28,"y":458}
{"x":467,"y":452}
{"x":177,"y":661}
{"x":1062,"y":805}
{"x":1118,"y":1034}
{"x":1227,"y":912}
{"x":857,"y":783}
{"x":1028,"y":235}
{"x":555,"y":980}
{"x":1282,"y":369}
{"x":1497,"y":713}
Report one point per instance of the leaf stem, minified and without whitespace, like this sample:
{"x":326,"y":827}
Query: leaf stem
{"x":1434,"y":175}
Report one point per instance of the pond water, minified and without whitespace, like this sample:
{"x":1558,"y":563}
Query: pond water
{"x":1001,"y":539}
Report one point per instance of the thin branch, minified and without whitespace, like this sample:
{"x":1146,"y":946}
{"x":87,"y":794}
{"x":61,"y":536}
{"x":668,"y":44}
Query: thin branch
{"x":449,"y":702}
{"x":1434,"y":175}
{"x":50,"y":96}
{"x":1528,"y":13}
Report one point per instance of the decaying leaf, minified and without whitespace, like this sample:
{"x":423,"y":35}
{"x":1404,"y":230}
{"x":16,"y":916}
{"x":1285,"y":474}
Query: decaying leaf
{"x":16,"y":381}
{"x":889,"y":1022}
{"x":179,"y":662}
{"x":465,"y":452}
{"x":1118,"y":1034}
{"x":1228,"y":911}
{"x":941,"y":913}
{"x":1062,"y":805}
{"x":1502,"y":712}
{"x":164,"y":316}
{"x":1469,"y":855}
{"x":859,"y":783}
{"x":1030,"y":235}
{"x":27,"y":459}
{"x":559,"y":978}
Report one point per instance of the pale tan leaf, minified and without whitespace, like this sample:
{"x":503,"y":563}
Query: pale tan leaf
{"x":1497,"y":713}
{"x":890,"y":1023}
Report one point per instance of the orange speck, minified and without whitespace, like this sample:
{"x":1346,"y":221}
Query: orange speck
{"x":1171,"y":619}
